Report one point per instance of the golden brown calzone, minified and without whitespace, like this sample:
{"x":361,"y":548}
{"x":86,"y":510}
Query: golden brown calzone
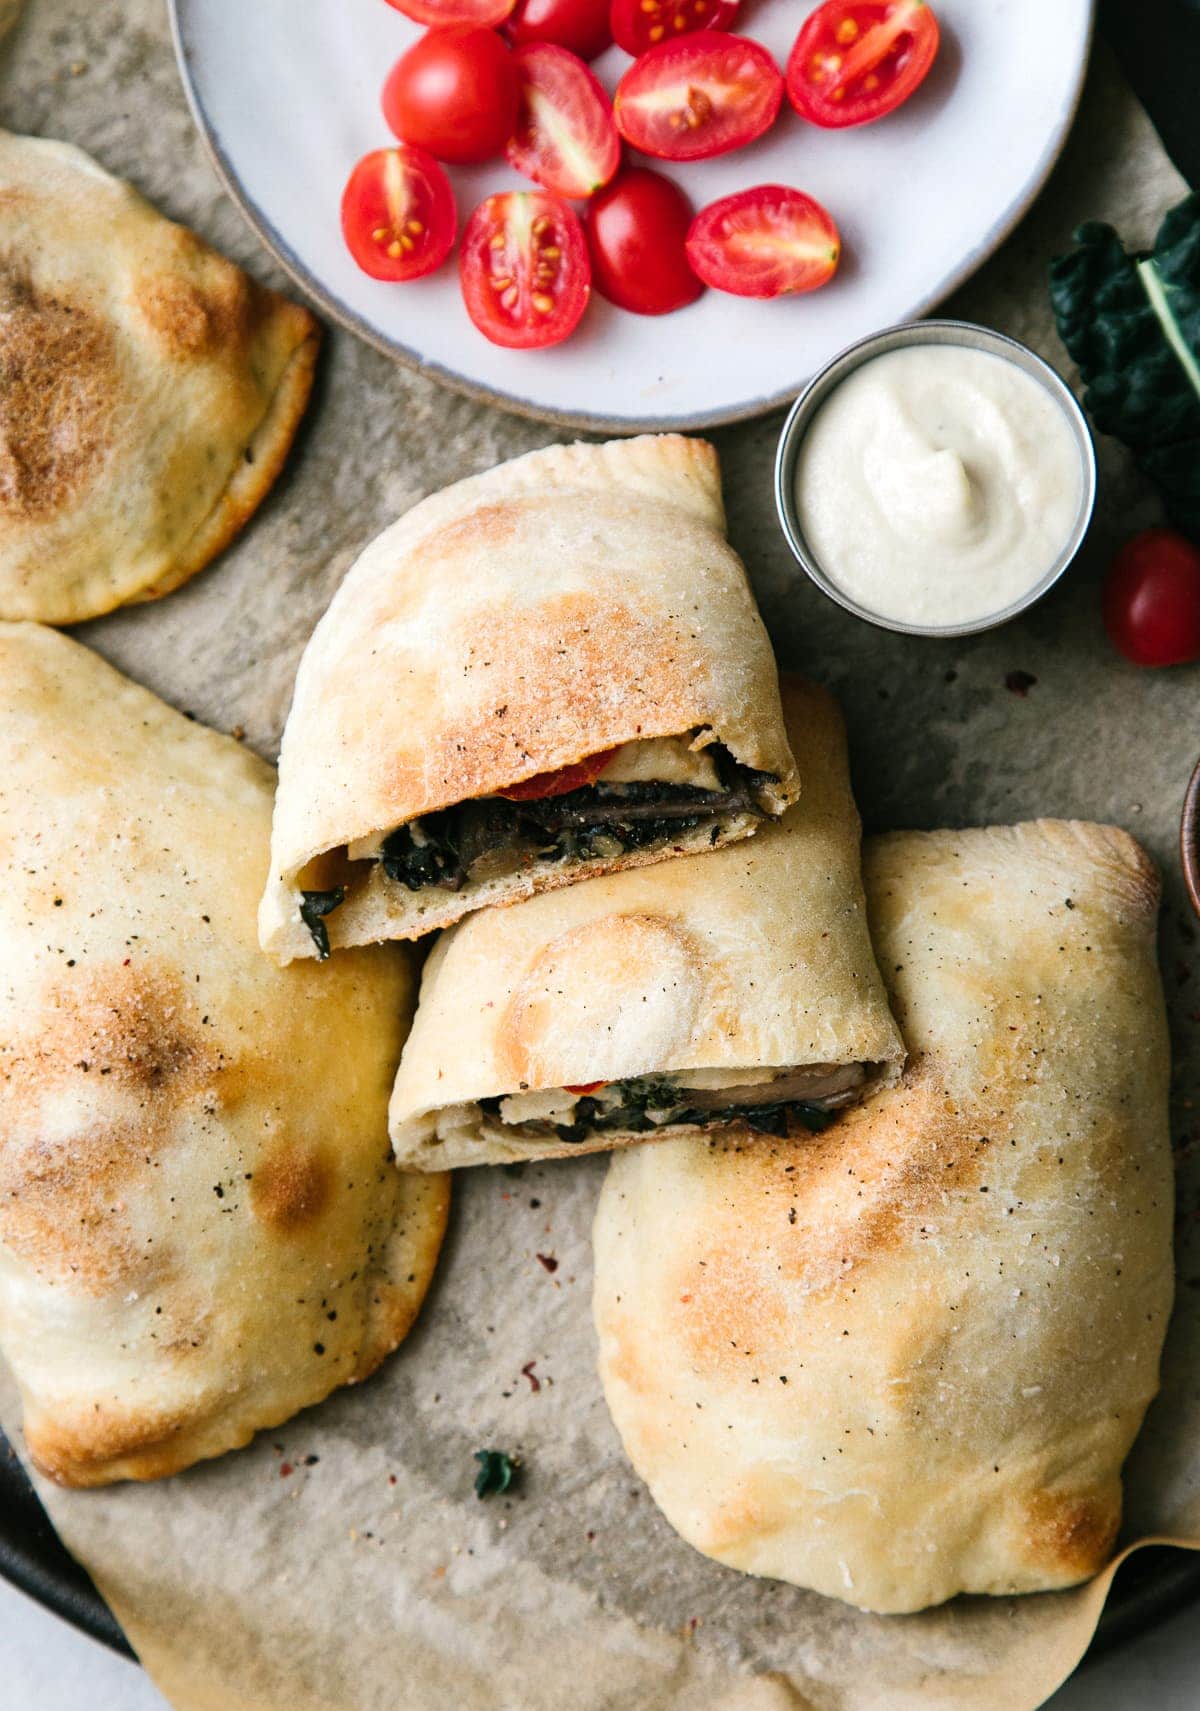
{"x":661,"y":1000}
{"x":578,"y":605}
{"x":201,"y":1227}
{"x":149,"y":390}
{"x":906,"y":1359}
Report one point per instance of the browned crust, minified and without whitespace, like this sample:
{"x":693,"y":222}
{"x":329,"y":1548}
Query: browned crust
{"x":257,"y":470}
{"x":400,"y":1298}
{"x":95,"y":1448}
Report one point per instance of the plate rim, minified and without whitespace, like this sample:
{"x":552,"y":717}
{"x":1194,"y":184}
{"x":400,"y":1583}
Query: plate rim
{"x":697,"y":422}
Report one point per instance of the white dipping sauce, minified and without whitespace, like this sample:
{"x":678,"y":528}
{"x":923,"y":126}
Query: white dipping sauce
{"x":937,"y":484}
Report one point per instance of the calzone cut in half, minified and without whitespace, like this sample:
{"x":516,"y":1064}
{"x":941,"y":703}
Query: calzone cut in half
{"x":201,"y":1227}
{"x":734,"y":987}
{"x":149,"y":390}
{"x":549,"y":671}
{"x":906,"y":1359}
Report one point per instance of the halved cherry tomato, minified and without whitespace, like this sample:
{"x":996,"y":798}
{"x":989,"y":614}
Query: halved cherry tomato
{"x":398,"y":213}
{"x":855,"y":60}
{"x":639,"y":25}
{"x":524,"y":268}
{"x":559,"y":782}
{"x":580,"y":25}
{"x":763,"y":242}
{"x":455,"y":93}
{"x":1152,"y":599}
{"x":636,"y":229}
{"x":486,"y":12}
{"x":697,"y":96}
{"x":564,"y":137}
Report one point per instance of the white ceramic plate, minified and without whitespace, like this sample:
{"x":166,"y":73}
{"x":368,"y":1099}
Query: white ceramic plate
{"x":288,"y":98}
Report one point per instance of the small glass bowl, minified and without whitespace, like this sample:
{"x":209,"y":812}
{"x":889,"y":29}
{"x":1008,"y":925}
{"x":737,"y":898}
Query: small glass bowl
{"x":972,"y":337}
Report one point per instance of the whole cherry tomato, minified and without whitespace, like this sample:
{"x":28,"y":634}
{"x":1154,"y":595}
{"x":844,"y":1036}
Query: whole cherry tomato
{"x":454,"y":93}
{"x":1152,"y":599}
{"x":636,"y":230}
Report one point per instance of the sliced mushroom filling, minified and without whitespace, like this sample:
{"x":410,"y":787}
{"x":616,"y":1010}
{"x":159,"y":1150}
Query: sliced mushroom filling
{"x":649,"y":793}
{"x":777,"y":1102}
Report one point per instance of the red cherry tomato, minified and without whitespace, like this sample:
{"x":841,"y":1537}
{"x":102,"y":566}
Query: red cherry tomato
{"x":1152,"y":599}
{"x":636,"y":229}
{"x":855,"y":60}
{"x":639,"y":25}
{"x":697,"y":96}
{"x":485,"y":12}
{"x":454,"y":93}
{"x":579,"y":25}
{"x":524,"y":269}
{"x":398,"y":214}
{"x":564,"y":136}
{"x":763,"y":242}
{"x":558,"y":783}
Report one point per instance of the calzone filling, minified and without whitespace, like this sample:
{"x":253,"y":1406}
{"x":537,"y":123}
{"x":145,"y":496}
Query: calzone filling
{"x":647,"y":794}
{"x":770,"y":1101}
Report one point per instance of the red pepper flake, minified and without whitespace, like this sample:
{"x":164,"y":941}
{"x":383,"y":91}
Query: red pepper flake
{"x":285,"y":1468}
{"x":391,"y":1479}
{"x":549,"y":1261}
{"x":535,"y":1383}
{"x":1019,"y":683}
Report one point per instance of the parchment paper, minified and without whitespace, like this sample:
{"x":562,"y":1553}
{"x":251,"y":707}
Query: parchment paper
{"x":368,"y":1577}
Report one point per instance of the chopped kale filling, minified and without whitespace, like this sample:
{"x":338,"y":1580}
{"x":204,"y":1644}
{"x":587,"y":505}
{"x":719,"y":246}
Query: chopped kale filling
{"x":314,"y":906}
{"x":647,"y":1105}
{"x":599,"y":821}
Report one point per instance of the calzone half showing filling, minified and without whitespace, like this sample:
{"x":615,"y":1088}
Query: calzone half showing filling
{"x":734,"y":987}
{"x":907,"y":1358}
{"x":552,"y":670}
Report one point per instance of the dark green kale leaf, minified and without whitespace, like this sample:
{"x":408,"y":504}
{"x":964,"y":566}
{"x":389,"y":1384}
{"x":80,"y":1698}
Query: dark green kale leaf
{"x":497,"y":1471}
{"x":1132,"y":325}
{"x":314,"y":906}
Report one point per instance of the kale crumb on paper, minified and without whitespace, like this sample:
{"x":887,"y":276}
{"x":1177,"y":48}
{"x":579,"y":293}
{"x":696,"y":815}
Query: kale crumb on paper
{"x":497,"y":1472}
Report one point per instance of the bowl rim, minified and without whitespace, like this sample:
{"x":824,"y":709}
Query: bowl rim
{"x":970,"y":335}
{"x":1189,"y":838}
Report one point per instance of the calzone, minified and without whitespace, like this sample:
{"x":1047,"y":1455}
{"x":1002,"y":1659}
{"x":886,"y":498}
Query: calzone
{"x":737,"y":986}
{"x":552,"y":670}
{"x":906,"y":1359}
{"x":149,"y":390}
{"x":201,"y":1227}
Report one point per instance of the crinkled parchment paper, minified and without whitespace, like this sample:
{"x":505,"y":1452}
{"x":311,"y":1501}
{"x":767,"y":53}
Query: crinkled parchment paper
{"x":343,"y":1563}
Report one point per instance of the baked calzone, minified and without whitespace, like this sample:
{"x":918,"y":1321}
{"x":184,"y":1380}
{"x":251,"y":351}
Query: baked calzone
{"x":737,"y":986}
{"x":552,"y":670}
{"x":906,"y":1358}
{"x":201,"y":1226}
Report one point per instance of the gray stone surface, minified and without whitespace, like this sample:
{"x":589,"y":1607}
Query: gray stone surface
{"x":373,"y":1578}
